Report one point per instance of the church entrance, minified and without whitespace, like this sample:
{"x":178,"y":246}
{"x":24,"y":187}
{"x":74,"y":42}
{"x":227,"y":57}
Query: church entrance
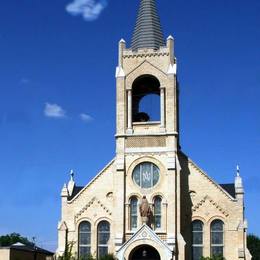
{"x":144,"y":252}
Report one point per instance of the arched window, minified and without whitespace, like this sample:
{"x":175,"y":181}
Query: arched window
{"x":146,"y":99}
{"x":84,"y":239}
{"x":197,"y":240}
{"x":157,"y":212}
{"x":217,"y":238}
{"x":133,"y":213}
{"x":103,"y":238}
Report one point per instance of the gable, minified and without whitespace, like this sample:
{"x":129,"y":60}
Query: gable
{"x":148,"y":68}
{"x":143,"y":235}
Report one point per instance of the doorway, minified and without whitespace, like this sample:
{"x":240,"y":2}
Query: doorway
{"x":144,"y":252}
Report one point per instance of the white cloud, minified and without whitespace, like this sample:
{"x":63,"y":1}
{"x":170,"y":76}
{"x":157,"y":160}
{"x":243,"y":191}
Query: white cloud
{"x":85,"y":118}
{"x":89,"y":9}
{"x":54,"y":110}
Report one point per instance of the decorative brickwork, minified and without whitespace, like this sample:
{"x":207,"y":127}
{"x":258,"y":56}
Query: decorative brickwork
{"x":146,"y":141}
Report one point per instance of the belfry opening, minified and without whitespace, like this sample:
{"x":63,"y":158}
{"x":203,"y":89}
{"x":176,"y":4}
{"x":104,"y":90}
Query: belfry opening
{"x":146,"y":99}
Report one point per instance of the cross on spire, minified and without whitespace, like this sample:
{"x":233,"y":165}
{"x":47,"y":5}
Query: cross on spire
{"x":148,"y":31}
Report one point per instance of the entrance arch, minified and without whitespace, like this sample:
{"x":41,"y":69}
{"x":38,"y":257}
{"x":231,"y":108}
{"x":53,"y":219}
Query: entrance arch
{"x":144,"y":252}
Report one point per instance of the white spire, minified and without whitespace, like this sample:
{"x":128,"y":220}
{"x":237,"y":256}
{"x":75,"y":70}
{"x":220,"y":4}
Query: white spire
{"x":71,"y":183}
{"x":238,"y":183}
{"x":238,"y":171}
{"x":71,"y":175}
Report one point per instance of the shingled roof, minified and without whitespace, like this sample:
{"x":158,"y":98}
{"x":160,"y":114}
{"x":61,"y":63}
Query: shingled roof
{"x":148,"y":31}
{"x":229,"y":188}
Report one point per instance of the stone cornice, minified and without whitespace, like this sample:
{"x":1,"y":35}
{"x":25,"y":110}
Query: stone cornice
{"x":147,"y":134}
{"x":143,"y":53}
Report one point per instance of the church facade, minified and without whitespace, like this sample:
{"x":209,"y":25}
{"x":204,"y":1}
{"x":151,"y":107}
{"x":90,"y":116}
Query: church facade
{"x":151,"y":201}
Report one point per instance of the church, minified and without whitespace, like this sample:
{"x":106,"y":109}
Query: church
{"x":151,"y":201}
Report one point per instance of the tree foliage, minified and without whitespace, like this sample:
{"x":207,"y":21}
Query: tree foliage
{"x":107,"y":257}
{"x":68,"y":255}
{"x":213,"y":258}
{"x":10,"y":239}
{"x":89,"y":257}
{"x":253,"y":245}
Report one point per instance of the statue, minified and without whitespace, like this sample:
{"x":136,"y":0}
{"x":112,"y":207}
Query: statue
{"x":145,"y":211}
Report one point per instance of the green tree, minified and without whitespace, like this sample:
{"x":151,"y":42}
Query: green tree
{"x":10,"y":239}
{"x":89,"y":257}
{"x":253,"y":245}
{"x":213,"y":258}
{"x":107,"y":257}
{"x":68,"y":252}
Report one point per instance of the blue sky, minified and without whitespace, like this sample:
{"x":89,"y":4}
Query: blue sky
{"x":57,"y":97}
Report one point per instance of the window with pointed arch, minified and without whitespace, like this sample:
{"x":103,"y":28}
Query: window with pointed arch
{"x":217,"y":237}
{"x":133,"y":213}
{"x":84,"y":239}
{"x":157,"y":212}
{"x":103,"y":237}
{"x":197,"y":239}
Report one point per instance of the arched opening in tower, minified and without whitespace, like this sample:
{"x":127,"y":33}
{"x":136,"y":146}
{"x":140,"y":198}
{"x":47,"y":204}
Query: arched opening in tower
{"x":146,"y":99}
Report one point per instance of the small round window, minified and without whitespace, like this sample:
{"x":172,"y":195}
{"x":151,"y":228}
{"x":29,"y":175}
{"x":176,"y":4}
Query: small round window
{"x":146,"y":175}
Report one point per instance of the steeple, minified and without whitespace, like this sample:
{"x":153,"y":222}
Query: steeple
{"x":148,"y":31}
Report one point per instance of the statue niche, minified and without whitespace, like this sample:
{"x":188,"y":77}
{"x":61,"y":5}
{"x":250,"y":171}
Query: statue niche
{"x":145,"y":211}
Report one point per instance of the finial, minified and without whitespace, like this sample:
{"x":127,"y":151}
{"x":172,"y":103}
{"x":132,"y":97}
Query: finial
{"x":71,"y":175}
{"x":238,"y":171}
{"x":170,"y":37}
{"x":122,"y":41}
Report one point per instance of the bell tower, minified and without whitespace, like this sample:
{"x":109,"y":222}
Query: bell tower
{"x":147,"y":91}
{"x":147,"y":128}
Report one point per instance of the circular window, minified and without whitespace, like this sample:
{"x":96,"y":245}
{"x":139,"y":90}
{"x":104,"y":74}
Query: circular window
{"x":146,"y":175}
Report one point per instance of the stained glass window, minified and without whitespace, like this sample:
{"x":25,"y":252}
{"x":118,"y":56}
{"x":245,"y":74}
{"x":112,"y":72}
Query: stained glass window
{"x":197,"y":240}
{"x":217,"y":238}
{"x":103,"y":238}
{"x":146,"y":175}
{"x":84,"y":239}
{"x":157,"y":212}
{"x":133,"y":213}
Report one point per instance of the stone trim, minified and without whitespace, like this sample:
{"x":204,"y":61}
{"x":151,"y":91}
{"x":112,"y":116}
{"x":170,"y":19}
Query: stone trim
{"x":137,"y":67}
{"x":145,"y":235}
{"x":89,"y":204}
{"x":217,"y":206}
{"x":143,"y":53}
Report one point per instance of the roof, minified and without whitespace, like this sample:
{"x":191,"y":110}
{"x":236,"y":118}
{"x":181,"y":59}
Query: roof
{"x":229,"y":188}
{"x":75,"y":191}
{"x":148,"y":31}
{"x":28,"y":248}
